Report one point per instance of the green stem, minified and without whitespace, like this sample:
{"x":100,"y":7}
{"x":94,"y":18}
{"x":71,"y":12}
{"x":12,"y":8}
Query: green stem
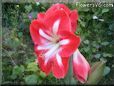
{"x":69,"y":78}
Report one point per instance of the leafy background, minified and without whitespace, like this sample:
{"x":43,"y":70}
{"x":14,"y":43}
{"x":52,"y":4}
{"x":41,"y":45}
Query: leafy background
{"x":18,"y":57}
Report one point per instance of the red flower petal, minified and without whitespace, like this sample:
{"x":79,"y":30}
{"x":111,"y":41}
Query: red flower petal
{"x":68,"y":49}
{"x":72,"y":14}
{"x":59,"y":19}
{"x":56,"y":7}
{"x":60,"y":66}
{"x":41,"y":62}
{"x":74,"y":17}
{"x":35,"y":28}
{"x":58,"y":70}
{"x":81,"y":67}
{"x":65,"y":61}
{"x":41,"y":16}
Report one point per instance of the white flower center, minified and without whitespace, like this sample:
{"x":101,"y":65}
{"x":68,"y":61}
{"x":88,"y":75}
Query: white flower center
{"x":53,"y":45}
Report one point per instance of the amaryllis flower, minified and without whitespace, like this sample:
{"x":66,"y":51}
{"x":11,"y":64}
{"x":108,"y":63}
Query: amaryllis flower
{"x":81,"y":67}
{"x":55,"y":42}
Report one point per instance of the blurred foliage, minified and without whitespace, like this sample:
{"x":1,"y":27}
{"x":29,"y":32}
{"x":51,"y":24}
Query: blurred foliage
{"x":95,"y":26}
{"x":96,"y":72}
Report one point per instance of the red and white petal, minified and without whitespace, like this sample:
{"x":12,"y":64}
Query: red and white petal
{"x":58,"y":67}
{"x":81,"y":67}
{"x":55,"y":26}
{"x":45,"y":35}
{"x":58,"y":21}
{"x":69,"y":42}
{"x":46,"y":46}
{"x":74,"y":17}
{"x":41,"y":16}
{"x":41,"y":61}
{"x":57,"y":6}
{"x":45,"y":67}
{"x":39,"y":33}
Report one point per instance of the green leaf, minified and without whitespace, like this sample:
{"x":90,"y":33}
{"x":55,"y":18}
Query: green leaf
{"x":32,"y":67}
{"x":107,"y":55}
{"x":34,"y":14}
{"x":97,"y":55}
{"x":17,"y":70}
{"x":31,"y":79}
{"x":106,"y":71}
{"x":43,"y":75}
{"x":10,"y":53}
{"x":28,"y":8}
{"x":13,"y":43}
{"x":105,"y":10}
{"x":13,"y":76}
{"x":111,"y":26}
{"x":86,"y":49}
{"x":104,"y":43}
{"x":86,"y":41}
{"x":22,"y":68}
{"x":20,"y":34}
{"x":82,"y":23}
{"x":96,"y":73}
